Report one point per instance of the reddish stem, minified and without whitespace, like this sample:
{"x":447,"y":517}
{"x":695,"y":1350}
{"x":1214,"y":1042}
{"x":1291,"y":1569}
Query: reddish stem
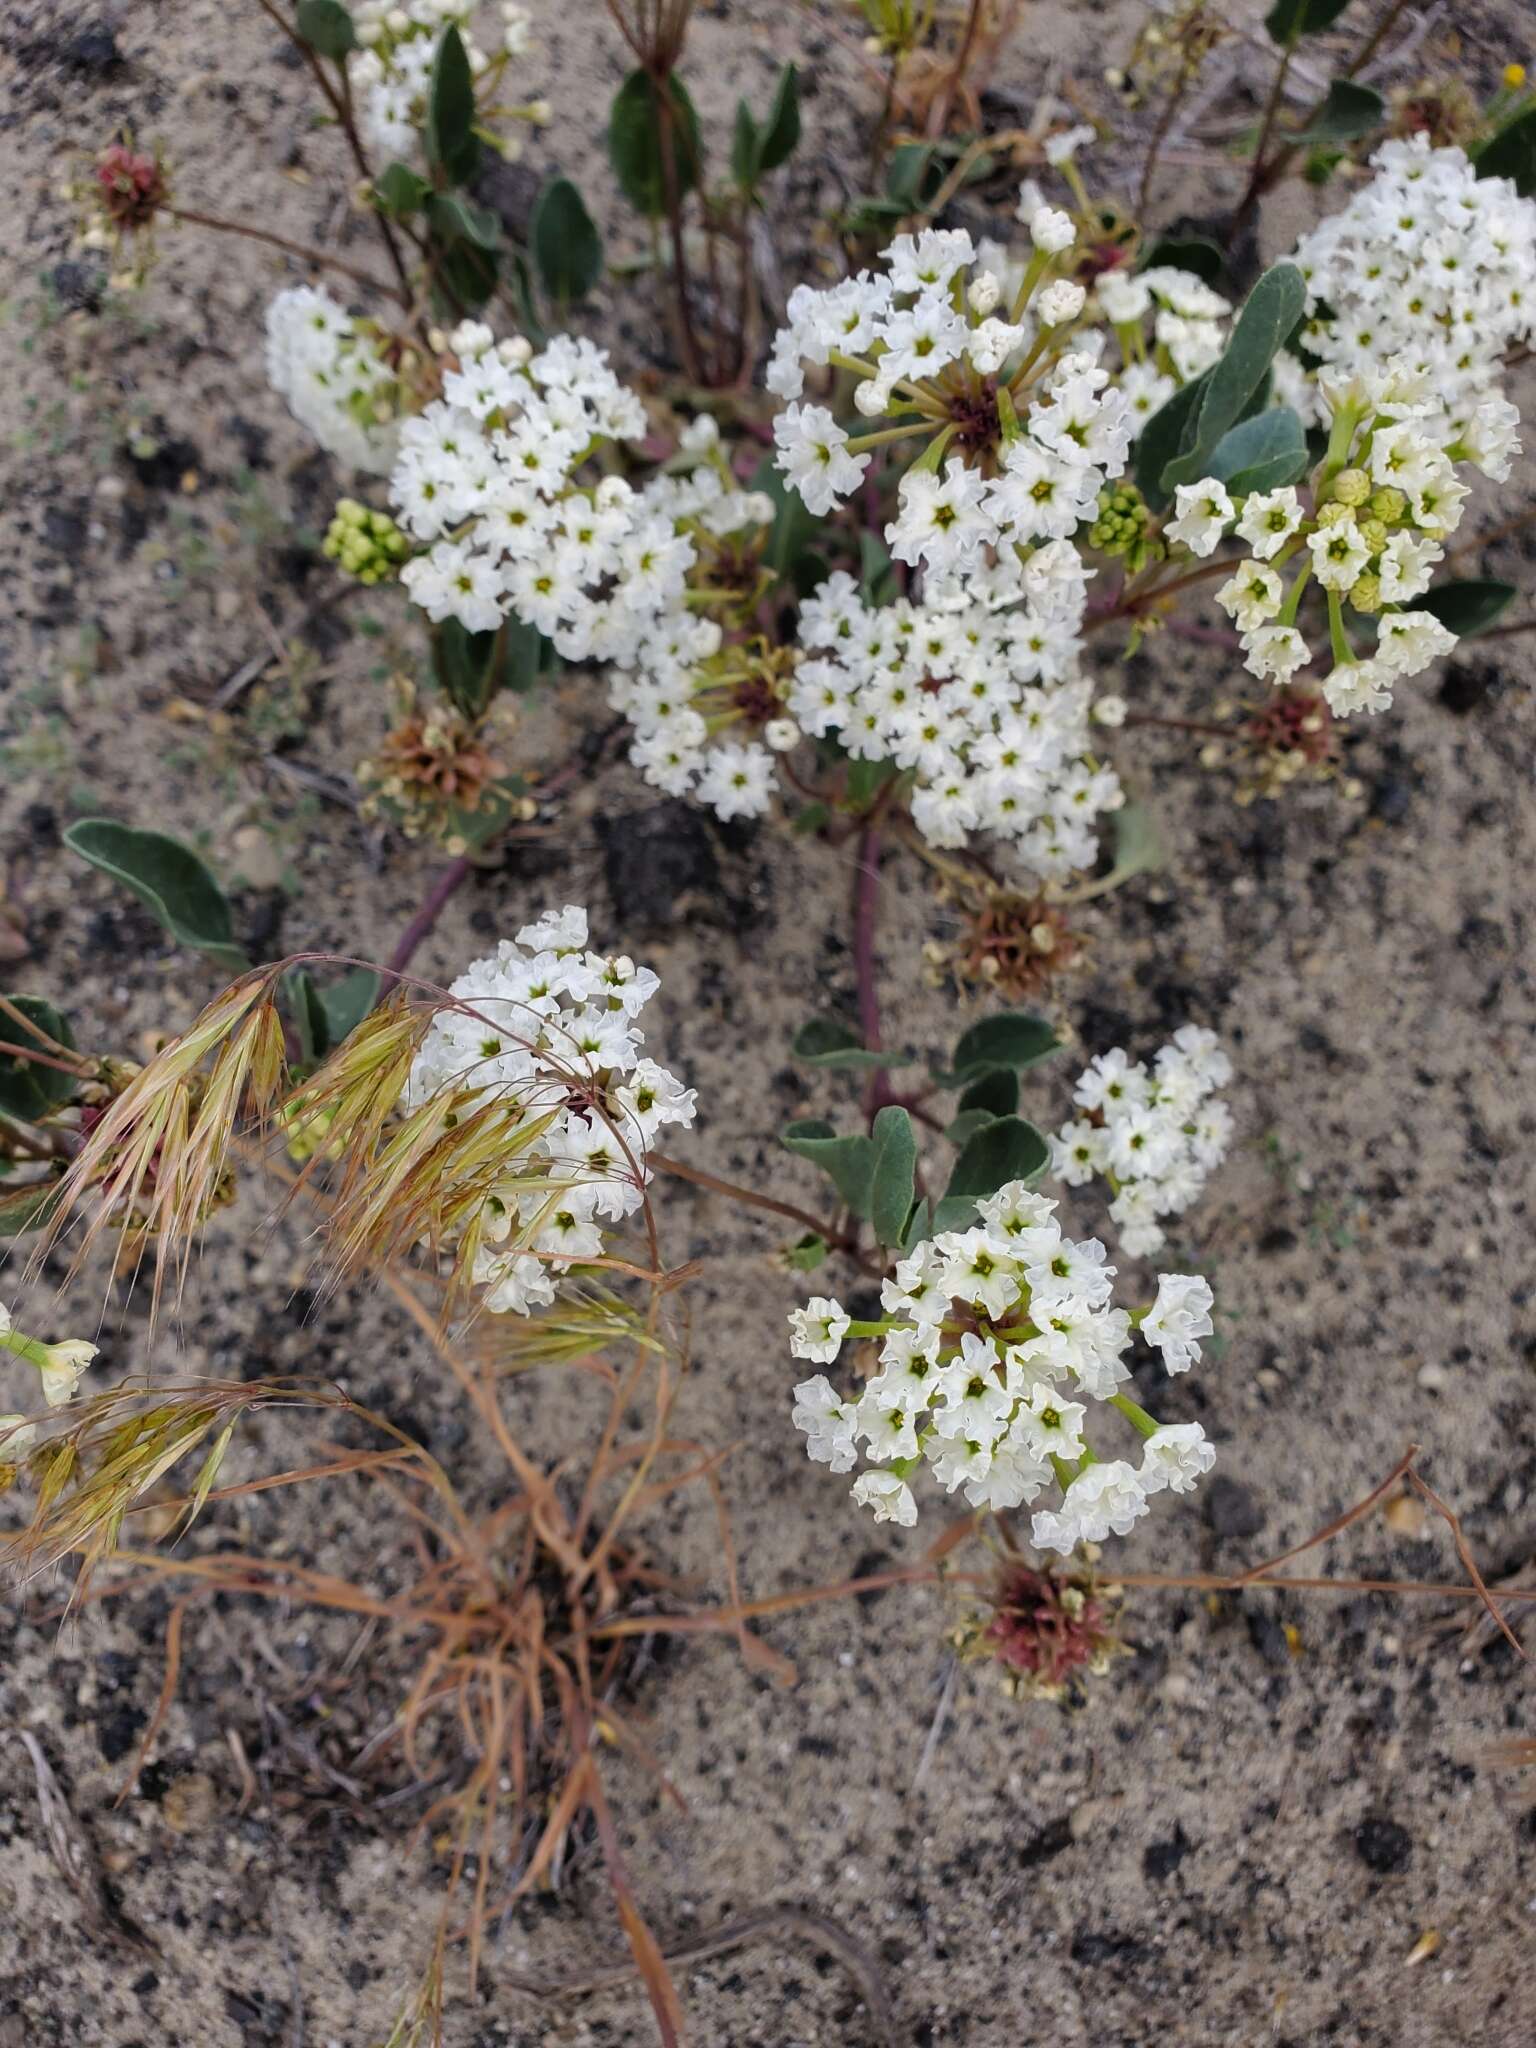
{"x":432,"y":906}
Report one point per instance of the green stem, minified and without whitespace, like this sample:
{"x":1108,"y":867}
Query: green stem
{"x":1144,"y":1424}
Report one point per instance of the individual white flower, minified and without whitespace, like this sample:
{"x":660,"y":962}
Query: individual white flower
{"x":1251,"y":596}
{"x":818,"y":1329}
{"x":1175,"y":1456}
{"x":1060,"y":302}
{"x":1062,"y":147}
{"x":888,"y":1496}
{"x":1051,"y":230}
{"x":828,"y":1421}
{"x":1179,"y":1318}
{"x":1202,"y":514}
{"x":812,"y":453}
{"x":1275,"y":651}
{"x":17,"y":1437}
{"x":1106,"y":1499}
{"x":1048,"y":1426}
{"x":1268,"y":520}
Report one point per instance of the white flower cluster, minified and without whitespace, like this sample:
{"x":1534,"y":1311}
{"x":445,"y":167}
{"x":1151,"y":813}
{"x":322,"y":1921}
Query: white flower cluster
{"x":390,"y":70}
{"x":551,"y":1028}
{"x":1430,"y":261}
{"x":328,"y":368}
{"x":995,"y":1341}
{"x":984,"y":707}
{"x":1154,"y":1133}
{"x":1050,"y":430}
{"x":699,"y":700}
{"x":1386,"y":497}
{"x":487,"y":474}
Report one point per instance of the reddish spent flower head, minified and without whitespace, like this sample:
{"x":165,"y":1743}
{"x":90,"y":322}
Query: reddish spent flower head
{"x":1048,"y":1629}
{"x":130,"y":186}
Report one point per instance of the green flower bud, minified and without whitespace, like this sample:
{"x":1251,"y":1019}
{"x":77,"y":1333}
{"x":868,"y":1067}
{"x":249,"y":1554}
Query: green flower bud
{"x":1351,"y":487}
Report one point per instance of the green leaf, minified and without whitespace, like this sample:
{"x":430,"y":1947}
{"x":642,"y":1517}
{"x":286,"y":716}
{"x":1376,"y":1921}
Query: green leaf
{"x":450,"y":134}
{"x":807,"y":1253}
{"x":28,"y":1089}
{"x":465,"y":666}
{"x":1137,"y":845}
{"x":399,"y":190}
{"x":1512,"y":154}
{"x":635,"y":143}
{"x":996,"y":1092}
{"x":919,"y":1226}
{"x":1467,"y":607}
{"x":893,"y":1173}
{"x":327,"y":27}
{"x":27,"y":1208}
{"x":905,"y":172}
{"x":877,"y":574}
{"x":1183,"y":252}
{"x":1273,"y":307}
{"x":1162,"y":437}
{"x":849,"y":1163}
{"x":1289,"y":20}
{"x":1006,"y":1149}
{"x":326,"y":1016}
{"x":168,"y":878}
{"x":744,"y":147}
{"x":781,"y":125}
{"x":1349,"y":111}
{"x":463,"y":276}
{"x":793,"y":527}
{"x":828,"y":1042}
{"x":1009,"y":1038}
{"x":1261,"y":453}
{"x":967,"y":1124}
{"x":865,"y":781}
{"x":453,"y":218}
{"x":566,"y":246}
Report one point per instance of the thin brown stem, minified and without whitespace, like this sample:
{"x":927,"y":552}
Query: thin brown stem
{"x":340,"y":104}
{"x":318,"y":258}
{"x":749,"y":1197}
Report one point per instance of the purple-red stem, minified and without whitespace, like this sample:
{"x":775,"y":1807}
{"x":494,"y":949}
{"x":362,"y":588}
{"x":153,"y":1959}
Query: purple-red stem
{"x":432,"y":906}
{"x":865,"y":904}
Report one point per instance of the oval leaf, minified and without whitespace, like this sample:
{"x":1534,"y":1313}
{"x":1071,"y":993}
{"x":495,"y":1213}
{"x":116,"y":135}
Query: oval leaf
{"x":1183,"y":252}
{"x":399,"y":190}
{"x":1004,"y":1150}
{"x":28,"y":1089}
{"x":1349,"y":111}
{"x":635,"y":143}
{"x":566,"y":246}
{"x":997,"y":1093}
{"x":893,"y":1173}
{"x":27,"y":1208}
{"x":1009,"y":1038}
{"x":1272,"y":310}
{"x":849,"y":1163}
{"x":327,"y":27}
{"x":780,"y":131}
{"x":1512,"y":154}
{"x":168,"y":878}
{"x":1467,"y":607}
{"x":453,"y":218}
{"x":1161,"y":439}
{"x":829,"y":1042}
{"x":1261,"y":453}
{"x":1289,"y":20}
{"x":450,"y":134}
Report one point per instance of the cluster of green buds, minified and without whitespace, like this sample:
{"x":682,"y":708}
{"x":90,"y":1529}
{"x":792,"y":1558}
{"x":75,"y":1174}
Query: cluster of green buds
{"x":367,"y":544}
{"x":1123,"y":527}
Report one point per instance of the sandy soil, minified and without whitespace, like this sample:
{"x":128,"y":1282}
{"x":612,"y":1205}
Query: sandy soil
{"x":1248,"y":1831}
